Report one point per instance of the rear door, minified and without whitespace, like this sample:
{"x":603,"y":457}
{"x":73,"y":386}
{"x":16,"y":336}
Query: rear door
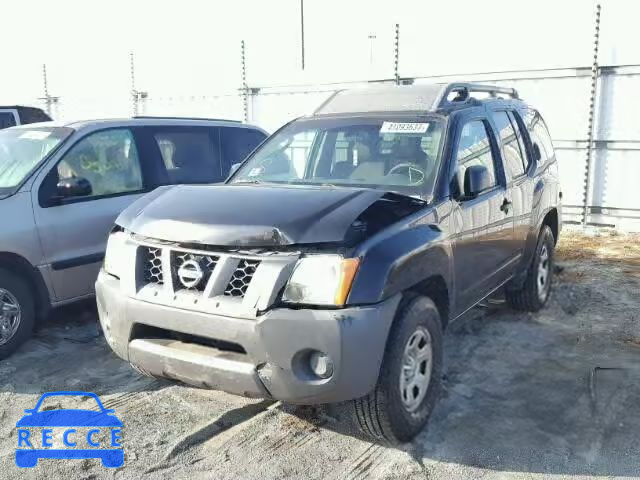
{"x":73,"y":231}
{"x":189,"y":155}
{"x":519,"y":183}
{"x":484,"y":255}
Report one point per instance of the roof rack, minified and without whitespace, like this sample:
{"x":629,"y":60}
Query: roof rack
{"x":465,"y":90}
{"x":164,"y":117}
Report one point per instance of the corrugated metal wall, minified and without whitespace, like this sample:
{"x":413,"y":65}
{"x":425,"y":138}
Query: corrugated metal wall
{"x":562,"y":95}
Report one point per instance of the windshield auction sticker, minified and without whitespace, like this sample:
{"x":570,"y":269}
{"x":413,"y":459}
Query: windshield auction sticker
{"x":404,"y":127}
{"x":50,"y":431}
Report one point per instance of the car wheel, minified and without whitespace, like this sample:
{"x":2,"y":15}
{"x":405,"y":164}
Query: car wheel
{"x":537,"y":285}
{"x":410,"y":377}
{"x":17,"y":312}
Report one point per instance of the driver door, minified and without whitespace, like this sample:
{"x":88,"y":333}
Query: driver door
{"x":73,"y":230}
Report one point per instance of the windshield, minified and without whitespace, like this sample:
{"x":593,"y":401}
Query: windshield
{"x":392,"y":154}
{"x":21,"y":150}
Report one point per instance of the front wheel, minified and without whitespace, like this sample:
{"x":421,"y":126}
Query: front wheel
{"x":534,"y":293}
{"x":17,"y":312}
{"x":410,"y":377}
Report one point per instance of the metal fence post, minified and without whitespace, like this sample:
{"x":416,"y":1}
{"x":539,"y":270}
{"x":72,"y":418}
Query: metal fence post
{"x":245,"y":88}
{"x":590,"y":125}
{"x":136,"y":95}
{"x":396,"y":54}
{"x":49,"y":101}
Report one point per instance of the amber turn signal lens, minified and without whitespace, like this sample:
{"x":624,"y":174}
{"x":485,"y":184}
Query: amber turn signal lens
{"x":348,"y":269}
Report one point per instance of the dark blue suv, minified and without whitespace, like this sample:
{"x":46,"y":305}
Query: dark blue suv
{"x":357,"y":235}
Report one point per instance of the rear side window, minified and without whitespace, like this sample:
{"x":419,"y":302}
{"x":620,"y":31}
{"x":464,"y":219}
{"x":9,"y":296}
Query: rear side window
{"x":540,"y":137}
{"x":190,"y":155}
{"x":33,"y":115}
{"x":512,"y":155}
{"x":474,"y":149}
{"x":7,"y":120}
{"x":237,"y":143}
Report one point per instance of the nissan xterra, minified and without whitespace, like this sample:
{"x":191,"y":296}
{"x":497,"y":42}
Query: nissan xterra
{"x":327,"y":267}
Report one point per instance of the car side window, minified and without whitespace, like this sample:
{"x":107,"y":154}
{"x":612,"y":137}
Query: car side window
{"x":107,"y":159}
{"x":190,"y":155}
{"x":520,"y":135}
{"x":474,"y":148}
{"x":7,"y":119}
{"x":237,"y":143}
{"x":511,"y":153}
{"x":540,"y":137}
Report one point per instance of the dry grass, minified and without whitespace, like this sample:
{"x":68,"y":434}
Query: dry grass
{"x":623,"y":249}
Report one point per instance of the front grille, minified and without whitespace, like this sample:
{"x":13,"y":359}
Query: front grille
{"x":152,"y":265}
{"x":192,"y":271}
{"x":241,"y":278}
{"x":203,"y":265}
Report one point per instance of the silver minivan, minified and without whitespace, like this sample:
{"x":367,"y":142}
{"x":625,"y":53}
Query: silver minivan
{"x":63,"y":185}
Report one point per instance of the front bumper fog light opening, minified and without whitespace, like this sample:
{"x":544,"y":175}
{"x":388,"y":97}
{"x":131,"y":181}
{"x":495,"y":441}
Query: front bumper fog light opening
{"x":321,"y":364}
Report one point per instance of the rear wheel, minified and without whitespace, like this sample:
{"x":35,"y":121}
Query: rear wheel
{"x":535,"y":291}
{"x":410,"y":377}
{"x":17,"y":312}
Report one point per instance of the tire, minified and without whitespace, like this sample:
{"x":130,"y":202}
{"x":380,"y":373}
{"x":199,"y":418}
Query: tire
{"x":384,"y":415}
{"x":535,"y":292}
{"x":15,"y":292}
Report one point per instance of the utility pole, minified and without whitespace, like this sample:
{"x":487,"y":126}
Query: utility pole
{"x":302,"y":32}
{"x":49,"y":101}
{"x":590,"y":127}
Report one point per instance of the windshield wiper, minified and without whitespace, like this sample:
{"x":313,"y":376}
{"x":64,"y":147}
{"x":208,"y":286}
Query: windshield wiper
{"x":417,"y":198}
{"x":247,"y":182}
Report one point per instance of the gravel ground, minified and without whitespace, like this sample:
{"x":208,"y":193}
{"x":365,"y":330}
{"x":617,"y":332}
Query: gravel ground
{"x":550,"y":395}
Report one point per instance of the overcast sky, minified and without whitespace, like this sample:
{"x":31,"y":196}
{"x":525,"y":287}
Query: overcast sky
{"x":191,"y":47}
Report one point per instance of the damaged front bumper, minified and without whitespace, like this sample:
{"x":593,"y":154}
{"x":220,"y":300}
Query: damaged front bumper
{"x":263,"y":357}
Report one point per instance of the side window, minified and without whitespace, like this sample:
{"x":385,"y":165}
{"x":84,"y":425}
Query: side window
{"x":540,"y":136}
{"x":189,"y":155}
{"x":520,"y":135}
{"x":108,"y":160}
{"x":474,"y":149}
{"x":511,"y":153}
{"x":237,"y":143}
{"x":7,"y":120}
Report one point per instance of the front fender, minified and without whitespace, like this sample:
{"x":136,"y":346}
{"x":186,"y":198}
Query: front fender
{"x":400,"y":261}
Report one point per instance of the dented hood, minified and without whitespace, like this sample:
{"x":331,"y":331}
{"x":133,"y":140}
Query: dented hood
{"x":248,"y":215}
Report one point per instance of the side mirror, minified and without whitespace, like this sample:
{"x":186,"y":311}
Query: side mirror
{"x":234,"y":168}
{"x":476,"y":180}
{"x":73,"y":187}
{"x":536,"y":153}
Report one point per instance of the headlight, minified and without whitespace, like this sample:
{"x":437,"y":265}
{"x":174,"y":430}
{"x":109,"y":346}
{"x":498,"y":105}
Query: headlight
{"x":115,"y":254}
{"x":321,"y":280}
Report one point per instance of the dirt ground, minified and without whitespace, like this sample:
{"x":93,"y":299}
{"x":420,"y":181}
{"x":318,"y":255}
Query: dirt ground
{"x":550,"y":395}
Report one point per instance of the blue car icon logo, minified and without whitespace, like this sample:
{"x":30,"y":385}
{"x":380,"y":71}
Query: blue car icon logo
{"x":83,"y":433}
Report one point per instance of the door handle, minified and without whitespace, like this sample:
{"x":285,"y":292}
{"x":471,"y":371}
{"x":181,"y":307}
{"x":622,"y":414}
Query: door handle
{"x":506,"y":205}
